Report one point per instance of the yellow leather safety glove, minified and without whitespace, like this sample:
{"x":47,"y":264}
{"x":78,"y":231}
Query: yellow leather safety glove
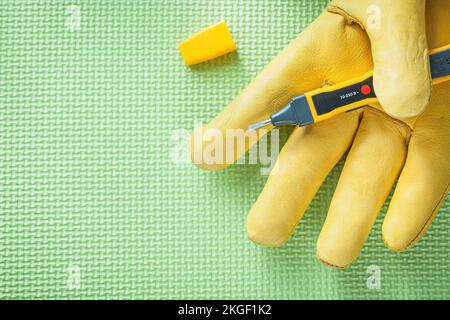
{"x":338,"y":46}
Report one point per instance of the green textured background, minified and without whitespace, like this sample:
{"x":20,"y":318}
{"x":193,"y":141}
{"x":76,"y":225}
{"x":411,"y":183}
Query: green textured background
{"x":86,"y":124}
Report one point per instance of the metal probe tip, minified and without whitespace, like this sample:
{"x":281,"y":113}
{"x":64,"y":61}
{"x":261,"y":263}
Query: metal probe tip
{"x":258,"y":125}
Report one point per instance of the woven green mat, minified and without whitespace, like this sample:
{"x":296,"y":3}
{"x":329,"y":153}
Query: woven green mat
{"x":92,"y":204}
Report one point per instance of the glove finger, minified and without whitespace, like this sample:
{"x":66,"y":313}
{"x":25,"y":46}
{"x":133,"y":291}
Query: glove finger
{"x":372,"y":165}
{"x":304,"y":162}
{"x":438,"y":17}
{"x":424,"y":182}
{"x":397,"y":33}
{"x":314,"y":58}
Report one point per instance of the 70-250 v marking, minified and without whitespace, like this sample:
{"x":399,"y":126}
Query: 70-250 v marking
{"x":348,"y":95}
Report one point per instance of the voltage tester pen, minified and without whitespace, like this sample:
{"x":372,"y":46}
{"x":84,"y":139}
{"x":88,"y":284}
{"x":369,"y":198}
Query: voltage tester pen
{"x":326,"y":102}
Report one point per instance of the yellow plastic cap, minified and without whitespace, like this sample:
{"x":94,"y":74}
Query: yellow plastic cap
{"x":209,"y":43}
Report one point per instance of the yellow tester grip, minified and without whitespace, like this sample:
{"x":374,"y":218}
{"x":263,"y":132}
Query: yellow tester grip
{"x":329,"y":101}
{"x":326,"y":102}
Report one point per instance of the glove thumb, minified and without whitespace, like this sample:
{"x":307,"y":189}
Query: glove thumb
{"x":397,"y":33}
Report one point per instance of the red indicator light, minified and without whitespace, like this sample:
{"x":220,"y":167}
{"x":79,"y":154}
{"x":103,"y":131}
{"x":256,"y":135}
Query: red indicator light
{"x":365,"y":89}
